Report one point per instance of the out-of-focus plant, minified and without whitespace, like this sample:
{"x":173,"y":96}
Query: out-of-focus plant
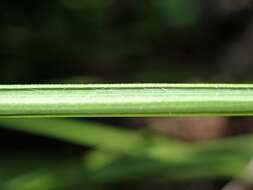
{"x":117,"y":155}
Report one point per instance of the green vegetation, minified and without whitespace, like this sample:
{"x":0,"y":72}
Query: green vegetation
{"x":104,"y":45}
{"x":125,"y":100}
{"x":117,"y":155}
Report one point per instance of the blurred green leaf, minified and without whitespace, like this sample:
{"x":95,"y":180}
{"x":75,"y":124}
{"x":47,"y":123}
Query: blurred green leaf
{"x":134,"y":144}
{"x":119,"y":155}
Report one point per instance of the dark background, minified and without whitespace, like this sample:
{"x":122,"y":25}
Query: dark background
{"x":125,"y":41}
{"x":129,"y":41}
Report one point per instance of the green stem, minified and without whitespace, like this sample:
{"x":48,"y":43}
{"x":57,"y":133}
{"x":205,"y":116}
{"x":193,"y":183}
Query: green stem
{"x":126,"y":100}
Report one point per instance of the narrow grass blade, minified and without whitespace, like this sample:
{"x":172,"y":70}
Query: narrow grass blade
{"x":125,"y":100}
